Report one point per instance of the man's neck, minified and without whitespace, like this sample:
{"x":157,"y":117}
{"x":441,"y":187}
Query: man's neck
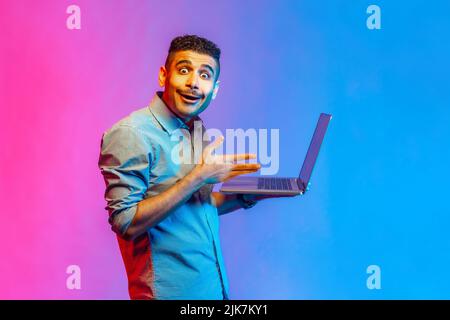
{"x":186,"y":120}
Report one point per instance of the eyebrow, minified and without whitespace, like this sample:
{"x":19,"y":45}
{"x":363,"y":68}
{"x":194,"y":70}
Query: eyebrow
{"x":207,"y":66}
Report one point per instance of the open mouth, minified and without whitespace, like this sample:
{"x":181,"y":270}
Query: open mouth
{"x":189,"y":98}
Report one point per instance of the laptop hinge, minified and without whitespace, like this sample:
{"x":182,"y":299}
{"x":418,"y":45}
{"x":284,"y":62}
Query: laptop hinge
{"x":301,"y":185}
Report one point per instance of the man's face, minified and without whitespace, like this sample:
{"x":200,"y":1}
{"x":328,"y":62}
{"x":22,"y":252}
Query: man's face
{"x":189,"y":83}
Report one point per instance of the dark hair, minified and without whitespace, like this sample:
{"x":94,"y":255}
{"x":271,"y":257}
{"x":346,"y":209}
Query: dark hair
{"x":196,"y":44}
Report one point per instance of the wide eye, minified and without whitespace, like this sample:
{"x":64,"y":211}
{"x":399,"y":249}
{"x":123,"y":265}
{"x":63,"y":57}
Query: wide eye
{"x":183,"y":70}
{"x":204,"y":75}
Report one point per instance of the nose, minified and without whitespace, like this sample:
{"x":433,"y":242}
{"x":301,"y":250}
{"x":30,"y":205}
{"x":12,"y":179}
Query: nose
{"x":192,"y":81}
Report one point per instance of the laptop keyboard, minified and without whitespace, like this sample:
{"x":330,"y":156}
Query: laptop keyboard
{"x":274,"y":183}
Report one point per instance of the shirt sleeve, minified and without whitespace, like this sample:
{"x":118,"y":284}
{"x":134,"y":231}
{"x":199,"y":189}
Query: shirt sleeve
{"x":125,"y":165}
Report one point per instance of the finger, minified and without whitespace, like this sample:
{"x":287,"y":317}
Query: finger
{"x":240,"y":156}
{"x":237,"y":173}
{"x":245,"y":166}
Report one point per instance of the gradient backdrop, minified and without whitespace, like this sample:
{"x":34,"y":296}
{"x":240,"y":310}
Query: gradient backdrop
{"x":379,"y":193}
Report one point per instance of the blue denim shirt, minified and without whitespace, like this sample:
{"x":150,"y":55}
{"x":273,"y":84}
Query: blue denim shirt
{"x":179,"y":258}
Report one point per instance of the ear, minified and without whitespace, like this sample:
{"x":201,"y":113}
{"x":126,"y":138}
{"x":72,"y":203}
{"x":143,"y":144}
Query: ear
{"x":162,"y":76}
{"x":216,"y":89}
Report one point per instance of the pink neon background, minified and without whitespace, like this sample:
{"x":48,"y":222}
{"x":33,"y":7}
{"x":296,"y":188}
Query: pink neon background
{"x":60,"y":89}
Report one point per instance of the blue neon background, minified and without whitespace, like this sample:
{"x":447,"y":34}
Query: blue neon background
{"x":379,"y":190}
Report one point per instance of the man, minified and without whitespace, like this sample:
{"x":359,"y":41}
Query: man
{"x":165,"y":213}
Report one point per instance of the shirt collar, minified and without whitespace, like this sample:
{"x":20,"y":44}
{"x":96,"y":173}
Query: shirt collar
{"x":166,"y":118}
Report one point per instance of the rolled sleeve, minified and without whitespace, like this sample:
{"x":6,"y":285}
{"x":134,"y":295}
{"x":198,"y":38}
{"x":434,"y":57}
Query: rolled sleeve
{"x":125,"y":164}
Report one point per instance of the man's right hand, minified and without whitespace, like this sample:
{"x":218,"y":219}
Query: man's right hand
{"x":219,"y":168}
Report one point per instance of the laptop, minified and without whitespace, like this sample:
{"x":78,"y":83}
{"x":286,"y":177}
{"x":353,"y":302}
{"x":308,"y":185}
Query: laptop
{"x":278,"y":185}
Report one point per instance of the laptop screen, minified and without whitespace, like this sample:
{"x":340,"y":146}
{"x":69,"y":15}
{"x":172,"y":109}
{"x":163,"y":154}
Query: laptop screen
{"x":314,"y":147}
